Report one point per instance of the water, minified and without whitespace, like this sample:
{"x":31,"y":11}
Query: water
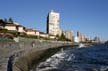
{"x":94,"y":58}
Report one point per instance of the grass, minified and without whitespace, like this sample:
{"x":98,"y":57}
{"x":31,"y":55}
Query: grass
{"x":5,"y":40}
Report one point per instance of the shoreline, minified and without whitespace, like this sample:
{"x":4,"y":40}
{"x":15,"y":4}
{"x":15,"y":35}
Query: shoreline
{"x":30,"y":61}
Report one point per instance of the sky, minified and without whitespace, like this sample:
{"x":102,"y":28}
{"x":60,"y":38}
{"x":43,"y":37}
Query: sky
{"x":90,"y":17}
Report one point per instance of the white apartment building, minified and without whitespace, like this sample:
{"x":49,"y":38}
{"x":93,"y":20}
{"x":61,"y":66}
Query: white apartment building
{"x":53,"y":27}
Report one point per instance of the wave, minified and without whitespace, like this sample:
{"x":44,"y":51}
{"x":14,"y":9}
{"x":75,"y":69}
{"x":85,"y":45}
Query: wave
{"x":94,"y":58}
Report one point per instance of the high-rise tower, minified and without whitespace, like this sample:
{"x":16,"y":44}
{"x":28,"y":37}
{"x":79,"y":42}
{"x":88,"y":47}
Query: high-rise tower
{"x":53,"y":27}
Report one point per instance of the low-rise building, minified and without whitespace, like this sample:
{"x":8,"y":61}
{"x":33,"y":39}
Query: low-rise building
{"x":37,"y":33}
{"x":42,"y":34}
{"x":52,"y":36}
{"x":11,"y":27}
{"x":97,"y":40}
{"x":21,"y":29}
{"x":31,"y":32}
{"x":68,"y":35}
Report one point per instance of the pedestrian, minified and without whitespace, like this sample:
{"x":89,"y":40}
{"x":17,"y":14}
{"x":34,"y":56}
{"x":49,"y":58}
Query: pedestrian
{"x":33,"y":43}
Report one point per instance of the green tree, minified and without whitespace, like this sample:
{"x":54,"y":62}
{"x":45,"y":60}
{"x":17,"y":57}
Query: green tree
{"x":62,"y":37}
{"x":5,"y":20}
{"x":10,"y":20}
{"x":57,"y":36}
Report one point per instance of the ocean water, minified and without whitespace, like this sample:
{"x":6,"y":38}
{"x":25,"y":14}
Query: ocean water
{"x":93,"y":58}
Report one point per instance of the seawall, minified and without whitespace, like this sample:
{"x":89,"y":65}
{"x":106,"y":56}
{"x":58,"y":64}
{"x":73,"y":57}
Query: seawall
{"x":26,"y":51}
{"x":31,"y":59}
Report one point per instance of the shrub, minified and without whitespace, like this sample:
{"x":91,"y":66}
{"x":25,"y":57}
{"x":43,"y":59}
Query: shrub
{"x":3,"y":30}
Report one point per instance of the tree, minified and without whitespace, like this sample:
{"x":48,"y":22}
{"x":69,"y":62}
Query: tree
{"x":57,"y":36}
{"x":5,"y":20}
{"x":2,"y":23}
{"x":10,"y":20}
{"x":62,"y":37}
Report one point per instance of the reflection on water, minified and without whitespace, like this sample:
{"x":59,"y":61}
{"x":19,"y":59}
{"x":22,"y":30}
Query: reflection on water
{"x":93,"y":58}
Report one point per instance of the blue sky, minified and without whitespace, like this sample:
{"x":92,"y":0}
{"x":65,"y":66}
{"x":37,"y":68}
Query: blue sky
{"x":87,"y":16}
